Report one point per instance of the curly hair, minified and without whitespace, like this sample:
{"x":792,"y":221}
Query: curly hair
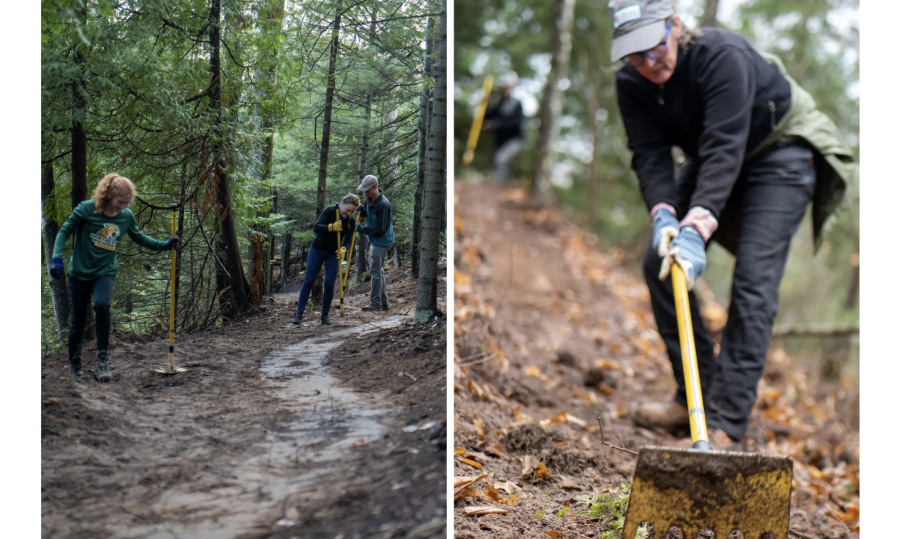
{"x":111,"y":186}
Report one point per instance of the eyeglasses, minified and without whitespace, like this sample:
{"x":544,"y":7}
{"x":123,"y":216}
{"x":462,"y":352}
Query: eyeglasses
{"x":656,"y":53}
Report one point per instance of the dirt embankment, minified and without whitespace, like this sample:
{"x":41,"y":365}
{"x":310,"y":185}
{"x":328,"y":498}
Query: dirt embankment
{"x":550,"y":333}
{"x":274,"y":430}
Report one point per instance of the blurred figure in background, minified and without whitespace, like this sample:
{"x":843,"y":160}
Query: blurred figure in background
{"x":504,"y":118}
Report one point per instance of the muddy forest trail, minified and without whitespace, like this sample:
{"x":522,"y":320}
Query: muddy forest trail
{"x":274,"y":431}
{"x":551,"y":333}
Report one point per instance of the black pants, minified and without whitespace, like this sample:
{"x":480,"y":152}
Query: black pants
{"x":756,"y":226}
{"x":80,"y":293}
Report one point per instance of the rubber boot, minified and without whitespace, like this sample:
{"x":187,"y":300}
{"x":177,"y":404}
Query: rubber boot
{"x":325,"y":320}
{"x":103,"y":373}
{"x":75,"y":367}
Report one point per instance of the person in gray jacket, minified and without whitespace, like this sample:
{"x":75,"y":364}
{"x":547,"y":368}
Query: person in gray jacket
{"x":379,"y":229}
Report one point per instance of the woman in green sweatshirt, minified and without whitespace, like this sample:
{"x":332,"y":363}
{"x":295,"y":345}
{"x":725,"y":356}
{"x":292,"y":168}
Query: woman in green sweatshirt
{"x":98,"y":225}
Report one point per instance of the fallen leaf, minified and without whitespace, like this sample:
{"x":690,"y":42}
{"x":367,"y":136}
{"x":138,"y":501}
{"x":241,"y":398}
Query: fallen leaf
{"x":483,"y":510}
{"x":533,"y":371}
{"x":462,"y":480}
{"x":540,"y":472}
{"x":471,"y":463}
{"x":555,"y":534}
{"x":360,"y":443}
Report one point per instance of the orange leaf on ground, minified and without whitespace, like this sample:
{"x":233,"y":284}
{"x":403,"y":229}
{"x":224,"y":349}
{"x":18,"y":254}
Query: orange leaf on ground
{"x":540,"y":472}
{"x":471,"y":463}
{"x":555,"y":534}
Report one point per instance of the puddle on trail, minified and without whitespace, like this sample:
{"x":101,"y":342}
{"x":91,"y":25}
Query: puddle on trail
{"x":331,"y":420}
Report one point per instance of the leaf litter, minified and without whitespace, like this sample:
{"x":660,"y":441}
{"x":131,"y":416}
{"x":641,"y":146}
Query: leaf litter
{"x":535,"y":365}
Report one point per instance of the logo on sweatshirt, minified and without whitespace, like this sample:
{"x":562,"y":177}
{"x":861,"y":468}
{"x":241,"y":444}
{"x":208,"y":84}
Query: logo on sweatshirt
{"x":107,"y":238}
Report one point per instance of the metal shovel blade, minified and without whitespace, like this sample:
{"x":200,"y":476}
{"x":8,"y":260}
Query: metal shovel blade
{"x":164,"y":370}
{"x":701,"y":491}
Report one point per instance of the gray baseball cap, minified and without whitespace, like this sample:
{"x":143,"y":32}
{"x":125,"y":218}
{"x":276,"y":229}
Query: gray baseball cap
{"x":367,"y":183}
{"x":638,"y":25}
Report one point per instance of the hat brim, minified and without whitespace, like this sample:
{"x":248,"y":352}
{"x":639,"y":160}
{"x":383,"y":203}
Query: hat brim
{"x":637,"y":40}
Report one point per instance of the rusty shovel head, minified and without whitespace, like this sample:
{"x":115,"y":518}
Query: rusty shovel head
{"x":735,"y":495}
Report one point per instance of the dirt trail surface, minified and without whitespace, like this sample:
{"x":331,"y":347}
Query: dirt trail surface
{"x":550,"y":333}
{"x":274,"y":430}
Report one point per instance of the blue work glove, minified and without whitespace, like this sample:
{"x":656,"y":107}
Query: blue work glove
{"x":687,"y":250}
{"x":56,"y":268}
{"x":665,"y":227}
{"x":172,"y":243}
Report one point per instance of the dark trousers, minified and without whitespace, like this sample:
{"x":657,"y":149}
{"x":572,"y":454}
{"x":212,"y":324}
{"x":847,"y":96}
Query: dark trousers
{"x":756,"y":226}
{"x":314,"y":261}
{"x":80,"y":293}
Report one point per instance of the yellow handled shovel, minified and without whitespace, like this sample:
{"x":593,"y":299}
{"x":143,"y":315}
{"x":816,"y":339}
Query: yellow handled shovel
{"x":734,"y":494}
{"x":343,"y":277}
{"x":171,"y":368}
{"x":476,"y":123}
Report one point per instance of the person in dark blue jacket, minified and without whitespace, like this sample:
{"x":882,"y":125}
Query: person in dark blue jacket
{"x":379,"y":229}
{"x":326,"y":251}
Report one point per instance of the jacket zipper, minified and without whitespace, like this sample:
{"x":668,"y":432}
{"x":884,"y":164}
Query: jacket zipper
{"x":772,"y":110}
{"x":660,"y":98}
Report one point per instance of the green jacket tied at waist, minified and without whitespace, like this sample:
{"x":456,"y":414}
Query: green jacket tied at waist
{"x":837,"y":170}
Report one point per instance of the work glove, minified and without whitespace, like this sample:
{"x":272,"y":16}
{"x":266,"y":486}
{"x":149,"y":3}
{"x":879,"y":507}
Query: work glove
{"x":172,"y":243}
{"x":665,"y":227}
{"x":56,"y":268}
{"x":362,"y":213}
{"x":341,"y":253}
{"x":687,"y":250}
{"x":337,"y":226}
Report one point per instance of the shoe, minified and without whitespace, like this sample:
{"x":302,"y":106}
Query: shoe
{"x":670,"y":417}
{"x":103,"y":373}
{"x":722,"y":441}
{"x":384,"y":304}
{"x":374,"y":308}
{"x":297,"y":319}
{"x":75,"y":367}
{"x":325,"y":320}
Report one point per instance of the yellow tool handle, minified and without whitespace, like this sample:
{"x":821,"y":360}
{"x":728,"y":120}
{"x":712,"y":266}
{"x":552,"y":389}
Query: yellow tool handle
{"x":172,"y":298}
{"x":699,"y":435}
{"x":476,"y":123}
{"x":345,"y":277}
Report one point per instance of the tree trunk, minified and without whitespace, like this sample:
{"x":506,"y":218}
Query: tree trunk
{"x":435,"y":183}
{"x":285,"y":260}
{"x":271,"y":16}
{"x":710,"y":12}
{"x":79,"y":155}
{"x":258,"y":283}
{"x":271,"y":272}
{"x":423,"y":151}
{"x":231,"y":277}
{"x":551,"y":103}
{"x":317,"y":290}
{"x":49,"y":230}
{"x":594,"y":93}
{"x":362,"y":242}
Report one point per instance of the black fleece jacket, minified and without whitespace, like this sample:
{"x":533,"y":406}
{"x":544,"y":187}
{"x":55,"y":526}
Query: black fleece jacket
{"x":327,"y":241}
{"x":722,"y":100}
{"x":505,"y":117}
